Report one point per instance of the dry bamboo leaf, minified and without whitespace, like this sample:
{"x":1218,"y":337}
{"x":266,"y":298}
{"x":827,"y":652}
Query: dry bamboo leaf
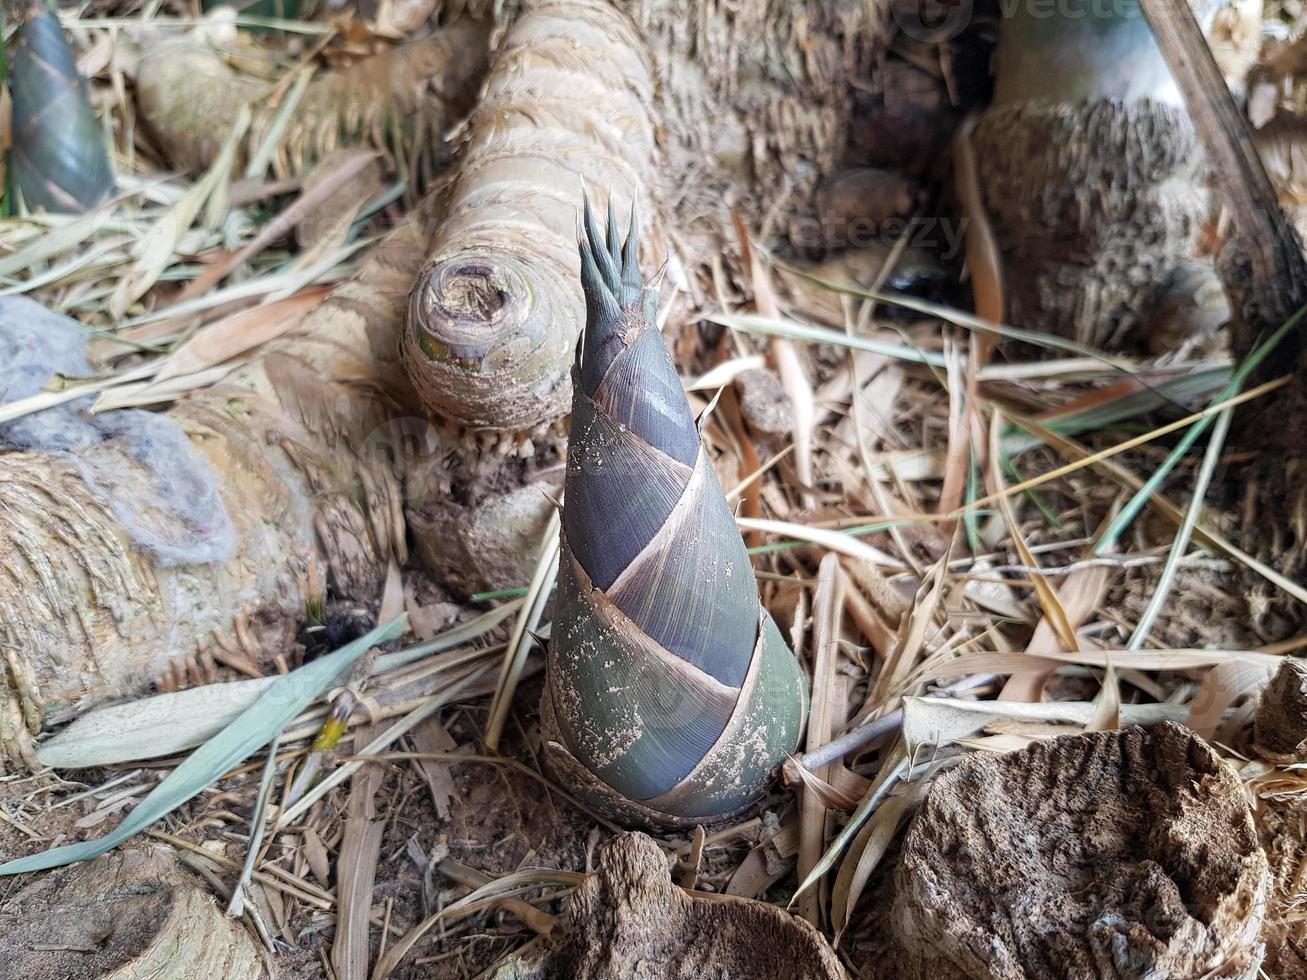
{"x":297,"y":211}
{"x":356,"y":869}
{"x":1164,"y":659}
{"x":939,"y":721}
{"x":315,"y":853}
{"x":830,"y":796}
{"x":720,"y":375}
{"x":238,"y":333}
{"x":892,"y":769}
{"x":1222,"y":686}
{"x":1002,"y":743}
{"x":785,"y":358}
{"x":865,"y":854}
{"x":1079,"y":596}
{"x":154,"y":251}
{"x":431,"y":738}
{"x":826,"y":610}
{"x":983,"y":257}
{"x":1107,"y":706}
{"x":1048,"y":600}
{"x":392,"y":592}
{"x":912,"y":639}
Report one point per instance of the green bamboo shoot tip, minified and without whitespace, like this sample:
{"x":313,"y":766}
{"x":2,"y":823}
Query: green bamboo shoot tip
{"x":58,"y":158}
{"x":671,"y":695}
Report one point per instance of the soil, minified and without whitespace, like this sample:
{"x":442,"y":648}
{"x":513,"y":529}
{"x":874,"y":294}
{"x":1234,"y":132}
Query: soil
{"x":131,"y":913}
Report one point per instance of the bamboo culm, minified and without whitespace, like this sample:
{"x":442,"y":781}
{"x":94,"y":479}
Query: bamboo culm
{"x":671,"y":695}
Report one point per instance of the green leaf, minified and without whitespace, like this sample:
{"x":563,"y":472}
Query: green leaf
{"x":254,"y":728}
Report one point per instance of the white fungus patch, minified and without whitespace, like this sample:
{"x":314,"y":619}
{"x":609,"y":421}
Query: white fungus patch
{"x":140,"y":464}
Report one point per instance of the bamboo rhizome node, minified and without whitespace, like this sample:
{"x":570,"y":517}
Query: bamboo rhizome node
{"x":671,"y":696}
{"x":494,"y":314}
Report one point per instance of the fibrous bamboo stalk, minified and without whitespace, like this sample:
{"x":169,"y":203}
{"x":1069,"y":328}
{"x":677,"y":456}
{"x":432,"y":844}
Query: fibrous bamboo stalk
{"x":495,"y":314}
{"x":1091,"y":172}
{"x":87,"y":614}
{"x":404,"y":96}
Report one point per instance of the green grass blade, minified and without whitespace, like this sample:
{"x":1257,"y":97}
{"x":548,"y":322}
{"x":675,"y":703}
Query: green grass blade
{"x":254,"y":728}
{"x":1136,"y":503}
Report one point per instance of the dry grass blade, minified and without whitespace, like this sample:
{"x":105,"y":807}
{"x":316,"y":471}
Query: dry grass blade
{"x":1048,"y":599}
{"x":487,"y":896}
{"x":756,"y":323}
{"x":826,"y":609}
{"x":957,"y":454}
{"x":1091,"y":459}
{"x":58,"y":240}
{"x":1211,"y":458}
{"x":258,"y":824}
{"x":519,"y":644}
{"x":1231,"y":389}
{"x":356,"y":872}
{"x":829,"y":540}
{"x":1205,"y":533}
{"x":864,"y":856}
{"x":419,"y":714}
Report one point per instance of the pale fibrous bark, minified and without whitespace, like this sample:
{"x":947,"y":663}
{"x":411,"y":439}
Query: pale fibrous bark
{"x":401,"y":99}
{"x":86,"y":614}
{"x":615,"y":97}
{"x":495,"y":313}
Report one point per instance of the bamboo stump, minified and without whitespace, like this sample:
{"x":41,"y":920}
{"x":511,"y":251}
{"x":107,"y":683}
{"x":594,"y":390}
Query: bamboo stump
{"x":628,"y":920}
{"x":1123,"y":854}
